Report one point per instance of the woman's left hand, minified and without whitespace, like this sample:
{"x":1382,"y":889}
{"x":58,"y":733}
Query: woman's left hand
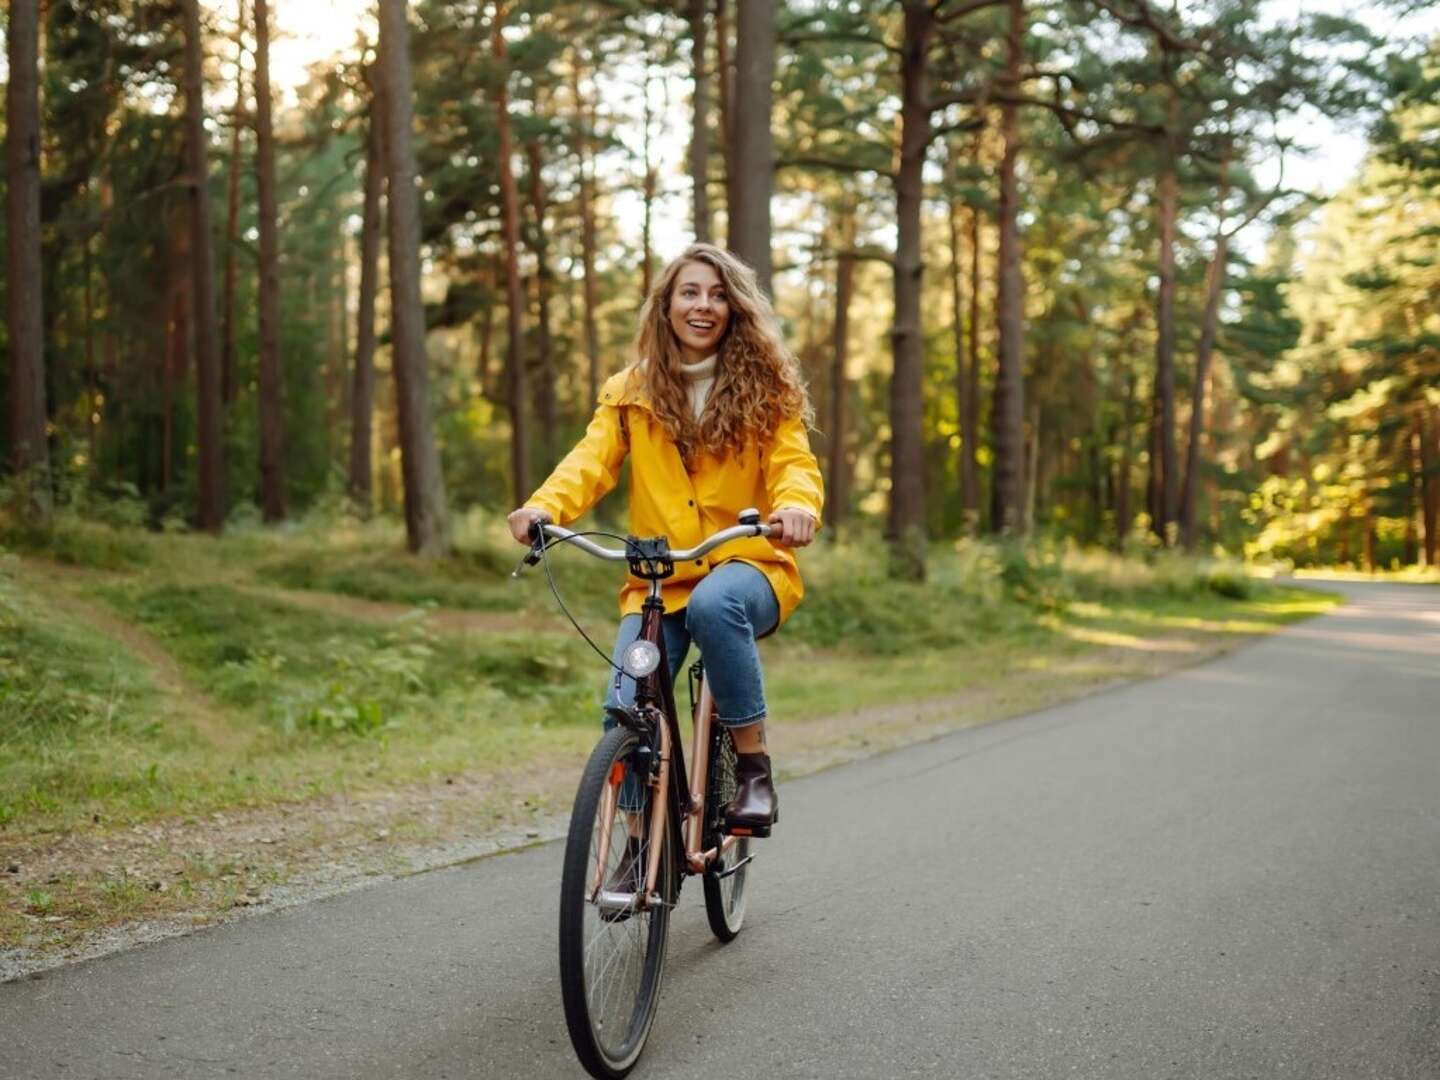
{"x":796,"y":528}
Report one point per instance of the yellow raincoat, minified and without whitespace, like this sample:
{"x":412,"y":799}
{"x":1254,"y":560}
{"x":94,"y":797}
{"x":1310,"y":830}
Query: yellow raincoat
{"x":668,"y":500}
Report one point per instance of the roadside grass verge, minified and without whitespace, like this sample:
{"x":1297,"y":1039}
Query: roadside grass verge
{"x":97,"y":760}
{"x":78,"y":717}
{"x":1016,"y":662}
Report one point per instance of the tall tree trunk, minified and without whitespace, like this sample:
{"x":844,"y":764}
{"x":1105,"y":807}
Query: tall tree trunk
{"x":1204,"y":352}
{"x":1167,"y":211}
{"x":965,"y":374}
{"x":232,"y":225}
{"x":1430,"y":473}
{"x":110,"y":355}
{"x":342,"y":304}
{"x":907,"y":406}
{"x":586,"y":193}
{"x":270,"y":408}
{"x":1414,"y":492}
{"x":1154,"y":488}
{"x":92,"y":375}
{"x":176,"y":333}
{"x":1127,"y":463}
{"x":1033,"y":449}
{"x":362,"y":394}
{"x":514,"y":299}
{"x":545,"y":396}
{"x":426,"y":521}
{"x":1007,"y":492}
{"x":210,"y":513}
{"x":970,"y":419}
{"x":1370,"y":537}
{"x":700,"y":129}
{"x":647,"y":191}
{"x":837,"y":499}
{"x":29,"y":450}
{"x":725,"y":88}
{"x":754,"y":144}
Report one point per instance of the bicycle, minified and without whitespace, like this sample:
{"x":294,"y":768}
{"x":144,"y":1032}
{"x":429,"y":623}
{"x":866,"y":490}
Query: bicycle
{"x":640,"y":824}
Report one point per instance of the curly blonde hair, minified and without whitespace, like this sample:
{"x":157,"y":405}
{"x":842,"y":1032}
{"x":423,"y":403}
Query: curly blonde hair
{"x":757,"y":380}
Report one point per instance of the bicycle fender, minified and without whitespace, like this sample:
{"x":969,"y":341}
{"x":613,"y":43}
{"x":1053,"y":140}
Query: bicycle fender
{"x":626,"y":717}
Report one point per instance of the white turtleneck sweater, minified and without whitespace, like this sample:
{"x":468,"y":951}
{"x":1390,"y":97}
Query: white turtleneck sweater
{"x":700,"y":379}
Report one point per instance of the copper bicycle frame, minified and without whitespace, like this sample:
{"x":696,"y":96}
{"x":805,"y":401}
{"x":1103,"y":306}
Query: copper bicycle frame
{"x":685,"y":809}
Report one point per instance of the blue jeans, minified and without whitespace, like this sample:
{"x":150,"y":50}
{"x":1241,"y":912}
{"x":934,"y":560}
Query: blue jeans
{"x":731,"y":606}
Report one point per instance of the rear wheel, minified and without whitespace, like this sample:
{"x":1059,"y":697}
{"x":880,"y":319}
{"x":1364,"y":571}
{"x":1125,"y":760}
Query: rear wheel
{"x":612,"y":947}
{"x":725,"y":877}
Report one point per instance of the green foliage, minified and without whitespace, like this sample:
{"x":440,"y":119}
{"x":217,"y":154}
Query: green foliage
{"x":475,"y":576}
{"x":269,"y":699}
{"x":979,"y":589}
{"x":59,"y":683}
{"x":304,"y":671}
{"x":78,"y":716}
{"x":77,"y":542}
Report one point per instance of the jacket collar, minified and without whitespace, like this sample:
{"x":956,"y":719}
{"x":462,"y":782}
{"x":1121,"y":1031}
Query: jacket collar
{"x":624,"y":388}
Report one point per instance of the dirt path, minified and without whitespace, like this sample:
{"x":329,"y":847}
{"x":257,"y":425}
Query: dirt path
{"x":186,"y":701}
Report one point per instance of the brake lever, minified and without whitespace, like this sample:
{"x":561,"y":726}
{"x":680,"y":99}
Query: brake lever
{"x":532,"y":557}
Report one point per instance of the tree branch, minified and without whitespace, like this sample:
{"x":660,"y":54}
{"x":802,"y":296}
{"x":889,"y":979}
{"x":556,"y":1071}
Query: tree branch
{"x":975,"y":123}
{"x":1072,"y":114}
{"x":839,"y":37}
{"x":836,"y":254}
{"x":1145,"y":19}
{"x":812,"y":162}
{"x":960,"y":12}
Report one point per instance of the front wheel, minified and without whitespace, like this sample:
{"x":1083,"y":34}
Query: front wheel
{"x":612,"y":946}
{"x":725,"y":877}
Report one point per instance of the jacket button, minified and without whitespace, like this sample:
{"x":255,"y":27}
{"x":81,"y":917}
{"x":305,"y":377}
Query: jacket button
{"x":699,"y":562}
{"x":692,"y":502}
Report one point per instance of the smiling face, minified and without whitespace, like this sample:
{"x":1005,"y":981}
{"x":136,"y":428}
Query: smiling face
{"x":699,"y":310}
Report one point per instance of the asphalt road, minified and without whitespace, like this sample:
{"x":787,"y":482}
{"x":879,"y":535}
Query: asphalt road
{"x":1230,"y":872}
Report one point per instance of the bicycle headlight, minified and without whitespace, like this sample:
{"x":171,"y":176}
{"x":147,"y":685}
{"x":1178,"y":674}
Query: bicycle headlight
{"x":640,"y":658}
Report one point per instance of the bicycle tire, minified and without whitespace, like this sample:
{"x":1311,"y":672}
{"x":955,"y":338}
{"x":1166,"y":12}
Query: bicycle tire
{"x":610,"y":1002}
{"x":725,"y":893}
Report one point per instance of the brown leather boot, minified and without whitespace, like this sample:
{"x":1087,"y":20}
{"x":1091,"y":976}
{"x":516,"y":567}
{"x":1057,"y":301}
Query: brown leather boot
{"x":754,"y":808}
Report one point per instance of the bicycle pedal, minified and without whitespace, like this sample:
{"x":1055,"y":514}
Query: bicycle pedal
{"x":615,"y":906}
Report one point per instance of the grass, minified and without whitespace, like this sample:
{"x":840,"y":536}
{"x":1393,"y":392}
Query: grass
{"x":263,"y":702}
{"x":78,"y":716}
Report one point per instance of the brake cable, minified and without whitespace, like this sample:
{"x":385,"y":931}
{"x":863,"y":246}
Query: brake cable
{"x":543,"y":548}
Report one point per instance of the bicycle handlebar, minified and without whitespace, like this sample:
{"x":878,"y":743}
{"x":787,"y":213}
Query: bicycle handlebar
{"x":709,"y":544}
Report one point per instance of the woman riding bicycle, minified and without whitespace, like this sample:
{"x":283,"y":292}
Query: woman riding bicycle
{"x":714,"y":417}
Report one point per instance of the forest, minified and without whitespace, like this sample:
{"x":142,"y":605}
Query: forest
{"x":1055,"y":269}
{"x":1114,"y":315}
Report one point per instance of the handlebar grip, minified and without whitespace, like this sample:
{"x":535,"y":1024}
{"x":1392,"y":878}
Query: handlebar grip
{"x":537,"y":541}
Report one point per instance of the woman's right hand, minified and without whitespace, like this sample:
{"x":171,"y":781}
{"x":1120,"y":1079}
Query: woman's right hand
{"x":521,"y":520}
